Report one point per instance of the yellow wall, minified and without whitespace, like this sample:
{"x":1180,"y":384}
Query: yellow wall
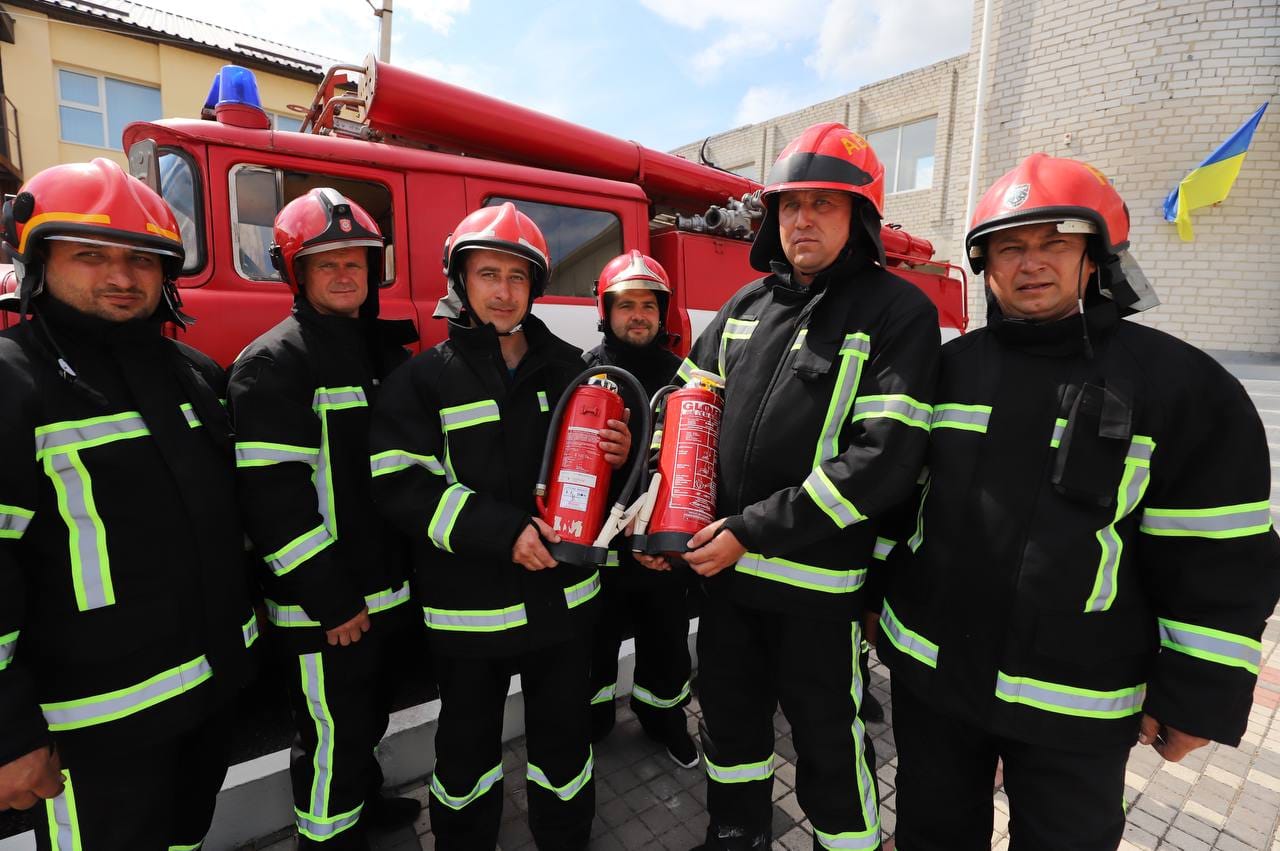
{"x":183,"y":76}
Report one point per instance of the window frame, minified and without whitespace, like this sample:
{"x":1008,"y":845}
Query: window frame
{"x":197,"y":200}
{"x":101,"y":109}
{"x":897,"y":152}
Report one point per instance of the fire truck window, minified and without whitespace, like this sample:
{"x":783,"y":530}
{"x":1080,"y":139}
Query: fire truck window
{"x":179,"y":188}
{"x":580,"y":241}
{"x":261,"y":192}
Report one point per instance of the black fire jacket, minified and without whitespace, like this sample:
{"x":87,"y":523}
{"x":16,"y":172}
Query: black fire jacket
{"x":1092,"y":541}
{"x":299,"y":397}
{"x":828,"y":393}
{"x":457,"y":441}
{"x":125,"y":614}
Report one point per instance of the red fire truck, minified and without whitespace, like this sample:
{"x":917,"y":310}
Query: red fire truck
{"x":419,"y":154}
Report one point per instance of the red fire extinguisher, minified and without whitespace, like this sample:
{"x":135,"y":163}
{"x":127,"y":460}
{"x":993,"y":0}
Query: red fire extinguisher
{"x":573,"y":485}
{"x":682,"y":492}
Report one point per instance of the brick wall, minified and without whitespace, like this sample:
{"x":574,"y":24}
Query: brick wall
{"x":1141,"y":89}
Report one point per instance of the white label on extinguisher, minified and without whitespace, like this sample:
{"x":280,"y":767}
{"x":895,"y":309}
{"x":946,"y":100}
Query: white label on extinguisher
{"x":574,"y":497}
{"x":569,"y":477}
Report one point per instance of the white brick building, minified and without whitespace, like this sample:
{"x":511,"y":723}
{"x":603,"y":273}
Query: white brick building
{"x":1141,"y":89}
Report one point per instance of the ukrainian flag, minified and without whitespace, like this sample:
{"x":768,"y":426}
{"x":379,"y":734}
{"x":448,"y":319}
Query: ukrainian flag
{"x":1211,"y":181}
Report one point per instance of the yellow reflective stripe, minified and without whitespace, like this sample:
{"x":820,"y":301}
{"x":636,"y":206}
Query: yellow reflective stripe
{"x":189,"y":413}
{"x":1219,"y":523}
{"x":440,"y":529}
{"x":1133,"y":485}
{"x":113,"y":705}
{"x":907,"y":641}
{"x":741,"y":773}
{"x":395,"y":460}
{"x":487,"y":781}
{"x":569,"y":790}
{"x":1059,"y":428}
{"x":963,"y":417}
{"x":1211,"y":645}
{"x":855,"y":350}
{"x":299,"y":550}
{"x":827,"y":497}
{"x":799,"y":575}
{"x":1070,"y":700}
{"x":734,"y":329}
{"x":338,"y":398}
{"x":61,"y":818}
{"x":14,"y":521}
{"x":543,"y":405}
{"x":894,"y":406}
{"x":470,"y":414}
{"x":475,"y":620}
{"x":75,"y":435}
{"x":253,"y":453}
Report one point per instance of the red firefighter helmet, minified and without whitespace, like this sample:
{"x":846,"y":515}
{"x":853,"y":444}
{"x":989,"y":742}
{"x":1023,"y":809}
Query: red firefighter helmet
{"x":501,"y":228}
{"x":1078,"y":198}
{"x":323,"y":220}
{"x":95,"y":202}
{"x":632,"y":271}
{"x":825,"y":156}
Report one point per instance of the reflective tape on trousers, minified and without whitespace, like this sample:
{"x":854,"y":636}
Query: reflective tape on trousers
{"x":576,"y":595}
{"x":1211,"y":645}
{"x":1227,"y":521}
{"x":99,"y":709}
{"x":643,"y":695}
{"x":827,"y":496}
{"x":1070,"y":700}
{"x":744,"y":773}
{"x":322,"y":829}
{"x":311,"y":671}
{"x":605,"y":694}
{"x":962,"y":417}
{"x":259,"y":454}
{"x":475,"y":620}
{"x":456,"y":802}
{"x":895,"y":406}
{"x":566,"y":792}
{"x":801,"y":575}
{"x":62,"y":819}
{"x":471,"y":414}
{"x":14,"y":521}
{"x":395,"y":460}
{"x":907,"y":641}
{"x":8,"y":647}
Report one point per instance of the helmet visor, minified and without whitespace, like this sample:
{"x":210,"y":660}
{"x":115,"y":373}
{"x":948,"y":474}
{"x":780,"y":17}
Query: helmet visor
{"x":111,"y":243}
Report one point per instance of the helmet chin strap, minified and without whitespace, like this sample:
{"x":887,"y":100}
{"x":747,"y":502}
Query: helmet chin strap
{"x":1084,"y":323}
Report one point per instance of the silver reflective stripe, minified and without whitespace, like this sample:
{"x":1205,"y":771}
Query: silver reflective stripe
{"x":189,"y":412}
{"x":743,"y":773}
{"x":576,"y":595}
{"x":828,"y":497}
{"x":250,"y":630}
{"x":14,"y":521}
{"x":867,"y":836}
{"x":8,"y":646}
{"x":611,"y":560}
{"x":568,"y":790}
{"x":287,"y":616}
{"x":60,"y":815}
{"x":388,"y":599}
{"x":337,"y":398}
{"x":962,"y":417}
{"x":685,"y":372}
{"x":643,"y":695}
{"x":1227,"y":521}
{"x":321,"y":829}
{"x":99,"y":709}
{"x":1059,"y":429}
{"x":327,"y":400}
{"x":911,"y":643}
{"x":543,"y":405}
{"x":883,"y":547}
{"x":1211,"y":645}
{"x":917,"y":537}
{"x":471,"y":414}
{"x":1133,"y":484}
{"x":258,"y":454}
{"x":86,"y":533}
{"x":801,"y":575}
{"x":735,"y":329}
{"x":395,"y":460}
{"x":475,"y":620}
{"x":311,"y":667}
{"x":1070,"y":700}
{"x":486,"y":782}
{"x":70,"y":435}
{"x":299,"y":550}
{"x":606,"y":693}
{"x":894,"y":406}
{"x":440,"y":529}
{"x":854,"y":353}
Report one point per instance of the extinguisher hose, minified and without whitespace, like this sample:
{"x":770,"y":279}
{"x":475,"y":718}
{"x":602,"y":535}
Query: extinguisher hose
{"x":639,"y":427}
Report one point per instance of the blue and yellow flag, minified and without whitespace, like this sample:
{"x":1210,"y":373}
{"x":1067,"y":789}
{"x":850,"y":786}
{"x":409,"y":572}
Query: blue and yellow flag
{"x":1211,"y":181}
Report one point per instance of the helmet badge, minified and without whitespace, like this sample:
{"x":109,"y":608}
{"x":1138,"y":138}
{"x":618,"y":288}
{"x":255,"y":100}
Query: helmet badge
{"x":344,"y":225}
{"x":1017,"y":195}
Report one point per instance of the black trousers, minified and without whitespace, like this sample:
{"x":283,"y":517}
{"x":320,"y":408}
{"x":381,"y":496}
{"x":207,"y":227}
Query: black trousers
{"x":466,"y":786}
{"x":154,"y":798}
{"x":661,"y":629}
{"x":749,"y":661}
{"x":1059,"y":800}
{"x":340,"y":699}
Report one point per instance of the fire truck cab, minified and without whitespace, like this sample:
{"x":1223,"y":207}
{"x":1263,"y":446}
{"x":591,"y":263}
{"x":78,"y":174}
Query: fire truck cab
{"x":419,"y":155}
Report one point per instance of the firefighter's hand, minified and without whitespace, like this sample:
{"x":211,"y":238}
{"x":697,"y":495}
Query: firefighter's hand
{"x":616,"y":440}
{"x":29,"y":779}
{"x":529,"y":551}
{"x":713,"y":549}
{"x":871,"y":627}
{"x":351,"y":631}
{"x":653,"y":562}
{"x":1170,"y":743}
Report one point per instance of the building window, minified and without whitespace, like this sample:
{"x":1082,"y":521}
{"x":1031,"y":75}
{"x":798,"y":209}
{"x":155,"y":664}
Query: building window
{"x":907,"y":154}
{"x":94,"y":110}
{"x":580,"y":241}
{"x":285,"y":122}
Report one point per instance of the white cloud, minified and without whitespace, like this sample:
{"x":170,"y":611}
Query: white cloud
{"x":744,"y":29}
{"x":865,"y":40}
{"x":437,"y":14}
{"x":761,"y":102}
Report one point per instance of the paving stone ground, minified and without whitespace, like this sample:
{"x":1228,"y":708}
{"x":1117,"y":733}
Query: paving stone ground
{"x":1216,"y":798}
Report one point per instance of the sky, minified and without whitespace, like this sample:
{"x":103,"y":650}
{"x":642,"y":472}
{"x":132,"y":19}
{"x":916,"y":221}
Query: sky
{"x":661,"y":72}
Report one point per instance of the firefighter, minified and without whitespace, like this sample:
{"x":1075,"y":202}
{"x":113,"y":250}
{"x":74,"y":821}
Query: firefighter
{"x":633,"y":294}
{"x":829,"y":363}
{"x":458,"y":436}
{"x":334,"y":575}
{"x":1091,"y":560}
{"x":125,"y":617}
